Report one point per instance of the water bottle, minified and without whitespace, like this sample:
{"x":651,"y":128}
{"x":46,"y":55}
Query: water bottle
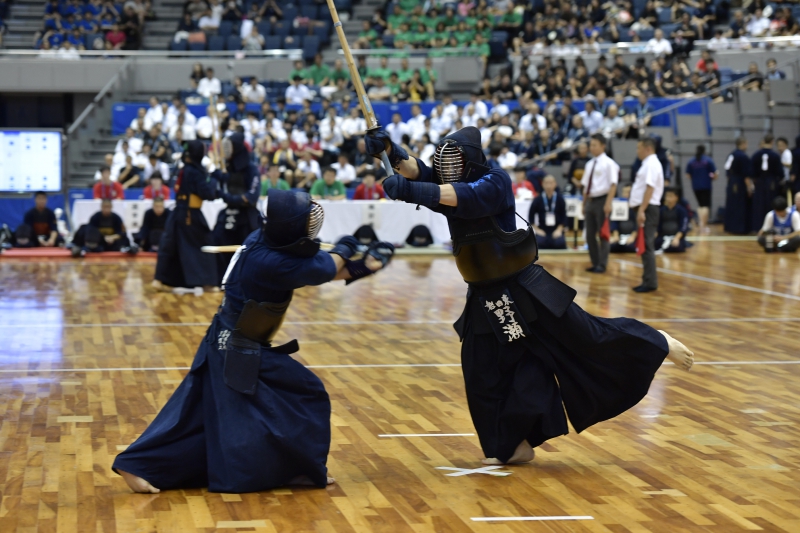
{"x":770,"y":243}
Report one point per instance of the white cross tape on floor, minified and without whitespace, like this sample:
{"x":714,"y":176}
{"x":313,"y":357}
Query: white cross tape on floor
{"x":488,"y":470}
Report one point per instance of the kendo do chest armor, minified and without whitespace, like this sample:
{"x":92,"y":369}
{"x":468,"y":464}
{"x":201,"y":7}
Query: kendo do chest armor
{"x":483,"y":251}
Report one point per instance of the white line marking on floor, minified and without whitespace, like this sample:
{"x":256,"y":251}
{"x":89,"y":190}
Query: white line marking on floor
{"x":527,"y":518}
{"x":488,"y":470}
{"x":716,"y":281}
{"x":410,"y":365}
{"x":399,"y":435}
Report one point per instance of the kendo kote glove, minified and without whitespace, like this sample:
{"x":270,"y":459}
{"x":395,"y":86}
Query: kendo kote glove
{"x":377,"y":142}
{"x":380,"y":251}
{"x":397,"y":187}
{"x":347,"y":247}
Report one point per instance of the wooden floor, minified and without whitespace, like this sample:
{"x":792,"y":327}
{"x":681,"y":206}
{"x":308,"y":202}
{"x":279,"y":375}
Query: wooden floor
{"x":88,"y":356}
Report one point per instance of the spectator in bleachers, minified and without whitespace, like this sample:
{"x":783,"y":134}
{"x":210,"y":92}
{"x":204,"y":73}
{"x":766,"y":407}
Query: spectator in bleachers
{"x":548,"y":216}
{"x":155,"y":166}
{"x":318,"y":74}
{"x":658,"y":45}
{"x":773,"y":72}
{"x":328,"y":188}
{"x":271,"y":11}
{"x":613,"y":124}
{"x":129,"y":174}
{"x":758,"y":25}
{"x":209,"y":85}
{"x":297,"y":92}
{"x":273,"y":180}
{"x":308,"y":172}
{"x":780,"y":230}
{"x":107,"y":189}
{"x":673,"y":224}
{"x":155,"y":187}
{"x":134,"y":144}
{"x":592,"y":119}
{"x":345,"y":172}
{"x":368,"y":189}
{"x":254,"y":41}
{"x":253,"y":92}
{"x":154,"y":115}
{"x":757,"y":81}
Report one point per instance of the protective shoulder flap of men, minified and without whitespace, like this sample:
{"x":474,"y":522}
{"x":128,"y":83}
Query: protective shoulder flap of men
{"x":292,"y":223}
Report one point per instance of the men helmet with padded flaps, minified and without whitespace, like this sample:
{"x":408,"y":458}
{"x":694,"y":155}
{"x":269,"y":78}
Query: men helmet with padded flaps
{"x":292,"y":222}
{"x":455,"y":152}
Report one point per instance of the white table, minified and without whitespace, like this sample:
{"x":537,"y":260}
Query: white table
{"x":392,"y":221}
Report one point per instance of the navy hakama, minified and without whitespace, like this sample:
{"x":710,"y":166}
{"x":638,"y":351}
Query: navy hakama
{"x":181,"y":262}
{"x":209,"y":435}
{"x":738,"y":217}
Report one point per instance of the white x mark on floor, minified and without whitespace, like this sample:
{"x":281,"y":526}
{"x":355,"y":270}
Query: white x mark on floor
{"x":488,"y":470}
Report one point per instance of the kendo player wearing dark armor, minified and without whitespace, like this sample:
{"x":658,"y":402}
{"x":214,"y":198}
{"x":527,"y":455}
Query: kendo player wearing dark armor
{"x":240,"y":188}
{"x":520,"y":329}
{"x":181,"y":262}
{"x":248,"y":417}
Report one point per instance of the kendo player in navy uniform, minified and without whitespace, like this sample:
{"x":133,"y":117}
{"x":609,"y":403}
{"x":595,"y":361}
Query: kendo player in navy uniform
{"x":520,"y":328}
{"x":767,"y":173}
{"x":738,"y":201}
{"x":240,"y":188}
{"x":181,"y":262}
{"x":248,"y":417}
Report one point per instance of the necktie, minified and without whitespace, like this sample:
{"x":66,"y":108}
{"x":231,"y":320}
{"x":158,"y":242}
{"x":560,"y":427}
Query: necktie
{"x":591,"y":175}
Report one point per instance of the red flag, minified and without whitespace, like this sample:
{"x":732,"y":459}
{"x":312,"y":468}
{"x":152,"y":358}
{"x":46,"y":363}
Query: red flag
{"x":605,"y":230}
{"x":640,"y":246}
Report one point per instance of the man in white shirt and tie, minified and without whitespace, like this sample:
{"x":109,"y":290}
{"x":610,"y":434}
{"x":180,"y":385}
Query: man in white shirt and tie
{"x":600,"y":179}
{"x":648,"y":187}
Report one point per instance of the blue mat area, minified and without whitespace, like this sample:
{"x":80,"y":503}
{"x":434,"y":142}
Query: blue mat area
{"x":123,"y":113}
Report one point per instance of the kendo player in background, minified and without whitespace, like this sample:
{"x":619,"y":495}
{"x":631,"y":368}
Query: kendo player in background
{"x":105,"y":232}
{"x":155,"y":220}
{"x":767,"y":174}
{"x":739,"y":191}
{"x":181,"y":262}
{"x":39,"y":226}
{"x":248,"y":417}
{"x":673,"y":224}
{"x":240,"y":187}
{"x":520,"y":329}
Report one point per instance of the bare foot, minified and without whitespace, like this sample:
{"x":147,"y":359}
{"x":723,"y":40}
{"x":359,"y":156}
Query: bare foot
{"x":138,"y":484}
{"x":523,"y":454}
{"x":305,"y":481}
{"x":160,"y":287}
{"x":678,"y":353}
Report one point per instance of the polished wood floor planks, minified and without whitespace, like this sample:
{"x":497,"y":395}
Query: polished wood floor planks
{"x":89,"y":355}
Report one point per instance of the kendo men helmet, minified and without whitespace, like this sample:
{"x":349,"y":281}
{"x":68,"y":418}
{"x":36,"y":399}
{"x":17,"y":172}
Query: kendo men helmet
{"x":455,"y":152}
{"x":292,"y":222}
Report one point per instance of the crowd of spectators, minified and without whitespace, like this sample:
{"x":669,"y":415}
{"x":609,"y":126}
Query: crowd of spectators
{"x":4,"y":10}
{"x":73,"y":25}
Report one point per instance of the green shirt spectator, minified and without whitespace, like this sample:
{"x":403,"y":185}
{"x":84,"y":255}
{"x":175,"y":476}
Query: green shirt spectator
{"x":339,"y":72}
{"x":394,"y":83}
{"x":464,"y":37}
{"x":319,"y":73}
{"x":511,"y":18}
{"x":303,"y":73}
{"x":266,"y":185}
{"x":380,"y":72}
{"x":428,"y":74}
{"x":482,"y":47}
{"x":395,"y":21}
{"x":323,"y":189}
{"x":368,"y":35}
{"x":408,"y":5}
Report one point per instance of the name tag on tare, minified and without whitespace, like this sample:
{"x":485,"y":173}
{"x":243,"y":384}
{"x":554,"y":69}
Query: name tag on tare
{"x":619,"y":210}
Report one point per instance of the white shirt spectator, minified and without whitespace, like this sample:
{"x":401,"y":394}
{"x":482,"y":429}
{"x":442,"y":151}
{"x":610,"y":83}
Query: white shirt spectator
{"x":154,"y":115}
{"x":347,"y":174}
{"x":208,"y":87}
{"x":274,"y":127}
{"x":593,"y":121}
{"x":297,"y":94}
{"x":486,"y":136}
{"x":255,"y":94}
{"x":501,"y":109}
{"x":134,"y":145}
{"x":450,"y":111}
{"x":612,"y":125}
{"x":417,"y":127}
{"x":68,"y":52}
{"x":426,"y":154}
{"x":204,"y":127}
{"x":769,"y":220}
{"x":253,"y":129}
{"x":299,"y":137}
{"x":720,"y":43}
{"x":442,"y":124}
{"x":304,"y":167}
{"x":757,"y":26}
{"x":526,"y":122}
{"x":396,"y":131}
{"x":650,"y":173}
{"x":604,"y":172}
{"x":160,"y":166}
{"x":188,"y":132}
{"x":481,"y":109}
{"x":330,"y":135}
{"x":786,"y":161}
{"x":354,"y":126}
{"x":658,"y":46}
{"x":508,"y":160}
{"x":207,"y":23}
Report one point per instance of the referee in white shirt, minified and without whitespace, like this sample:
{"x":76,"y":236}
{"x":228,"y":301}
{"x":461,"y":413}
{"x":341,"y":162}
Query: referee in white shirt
{"x":600,"y":179}
{"x":646,"y":193}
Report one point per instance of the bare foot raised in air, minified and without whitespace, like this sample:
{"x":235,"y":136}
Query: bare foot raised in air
{"x":523,"y":454}
{"x":678,"y":353}
{"x":138,"y":484}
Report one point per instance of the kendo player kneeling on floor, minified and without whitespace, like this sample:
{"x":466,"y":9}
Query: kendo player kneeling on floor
{"x":528,"y":351}
{"x":673,"y":223}
{"x":155,"y":220}
{"x":105,"y":232}
{"x":248,"y":417}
